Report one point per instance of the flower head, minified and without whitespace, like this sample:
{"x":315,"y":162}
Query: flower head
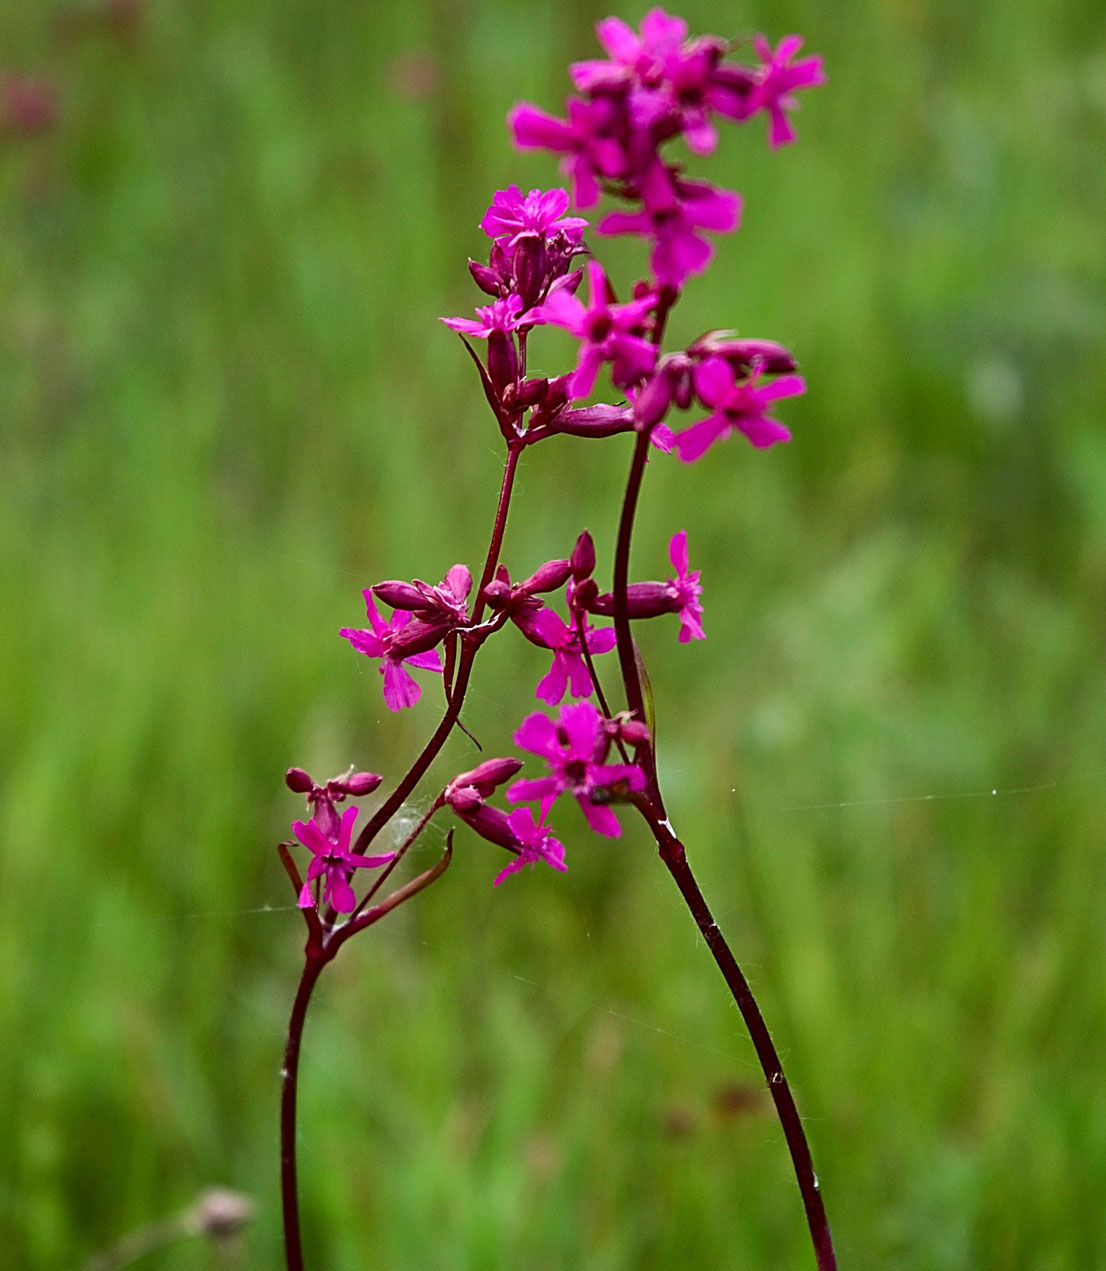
{"x":540,"y":212}
{"x":607,"y":332}
{"x":777,"y":80}
{"x":401,"y":640}
{"x":575,"y":748}
{"x":536,"y":843}
{"x":687,"y":588}
{"x":742,"y":405}
{"x":334,"y":862}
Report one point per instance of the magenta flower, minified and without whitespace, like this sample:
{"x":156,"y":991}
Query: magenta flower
{"x":590,"y":139}
{"x":574,"y":748}
{"x":777,"y":80}
{"x":607,"y":332}
{"x":569,"y":670}
{"x":400,"y":640}
{"x":674,"y":213}
{"x":504,"y":314}
{"x":333,"y":861}
{"x":688,"y":589}
{"x":644,"y":57}
{"x":536,"y":843}
{"x":740,"y":405}
{"x":541,"y":212}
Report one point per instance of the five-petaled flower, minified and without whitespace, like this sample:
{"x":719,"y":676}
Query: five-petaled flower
{"x":742,"y":405}
{"x":540,"y":212}
{"x":569,"y":670}
{"x":334,"y":862}
{"x":687,"y":587}
{"x":535,"y":843}
{"x":575,"y":748}
{"x":777,"y":79}
{"x":402,"y":639}
{"x":607,"y":332}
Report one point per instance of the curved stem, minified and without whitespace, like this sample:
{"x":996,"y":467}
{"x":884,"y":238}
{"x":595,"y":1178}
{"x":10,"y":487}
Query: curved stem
{"x":293,"y":1249}
{"x":626,"y":660}
{"x":675,"y":858}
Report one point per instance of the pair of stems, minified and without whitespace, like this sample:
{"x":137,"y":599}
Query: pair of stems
{"x":323,"y":941}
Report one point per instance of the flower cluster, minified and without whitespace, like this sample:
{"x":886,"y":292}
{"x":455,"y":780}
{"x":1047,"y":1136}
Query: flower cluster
{"x":654,"y":86}
{"x":658,"y":85}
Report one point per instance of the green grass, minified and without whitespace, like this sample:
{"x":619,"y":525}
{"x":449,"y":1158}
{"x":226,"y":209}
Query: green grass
{"x":226,"y":405}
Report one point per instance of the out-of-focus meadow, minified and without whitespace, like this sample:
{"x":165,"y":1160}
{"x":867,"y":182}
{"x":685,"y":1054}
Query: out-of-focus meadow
{"x":226,"y":404}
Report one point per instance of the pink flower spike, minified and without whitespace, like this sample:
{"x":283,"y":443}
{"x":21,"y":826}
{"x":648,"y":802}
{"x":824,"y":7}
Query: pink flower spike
{"x":334,"y":862}
{"x":536,"y":843}
{"x":777,"y":80}
{"x":687,"y":586}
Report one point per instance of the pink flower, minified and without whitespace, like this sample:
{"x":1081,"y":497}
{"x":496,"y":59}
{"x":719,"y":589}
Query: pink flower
{"x":777,"y":80}
{"x":688,"y":590}
{"x":541,"y":212}
{"x":569,"y":670}
{"x":400,"y":640}
{"x":503,"y":315}
{"x":333,"y":861}
{"x":590,"y":139}
{"x":607,"y":332}
{"x":575,"y":748}
{"x":674,"y":212}
{"x":536,"y":843}
{"x":740,"y":405}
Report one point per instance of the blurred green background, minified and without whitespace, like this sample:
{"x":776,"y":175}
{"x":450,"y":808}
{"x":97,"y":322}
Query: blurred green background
{"x":226,"y":405}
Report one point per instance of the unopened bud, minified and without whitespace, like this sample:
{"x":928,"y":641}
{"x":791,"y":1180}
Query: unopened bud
{"x":361,"y":783}
{"x":298,"y":781}
{"x":552,"y":576}
{"x":497,"y":593}
{"x":531,"y":392}
{"x":486,"y":776}
{"x":400,"y":595}
{"x":583,"y":557}
{"x":486,"y":278}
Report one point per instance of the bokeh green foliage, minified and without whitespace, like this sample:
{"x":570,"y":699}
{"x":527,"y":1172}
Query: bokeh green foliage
{"x":226,"y":405}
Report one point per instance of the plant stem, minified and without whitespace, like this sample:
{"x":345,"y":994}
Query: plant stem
{"x":675,"y":858}
{"x":312,"y":968}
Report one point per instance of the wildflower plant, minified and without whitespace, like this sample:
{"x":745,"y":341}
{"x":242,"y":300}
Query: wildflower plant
{"x":542,"y":269}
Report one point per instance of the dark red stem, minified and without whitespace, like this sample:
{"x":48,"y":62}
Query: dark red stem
{"x":312,"y":968}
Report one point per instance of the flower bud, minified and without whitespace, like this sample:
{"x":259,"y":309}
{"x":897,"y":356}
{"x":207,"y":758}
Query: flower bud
{"x":497,"y":593}
{"x":486,"y":278}
{"x":532,"y":391}
{"x":400,"y":595}
{"x":298,"y":781}
{"x":552,"y":576}
{"x":485,"y":777}
{"x":361,"y":783}
{"x":583,"y":557}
